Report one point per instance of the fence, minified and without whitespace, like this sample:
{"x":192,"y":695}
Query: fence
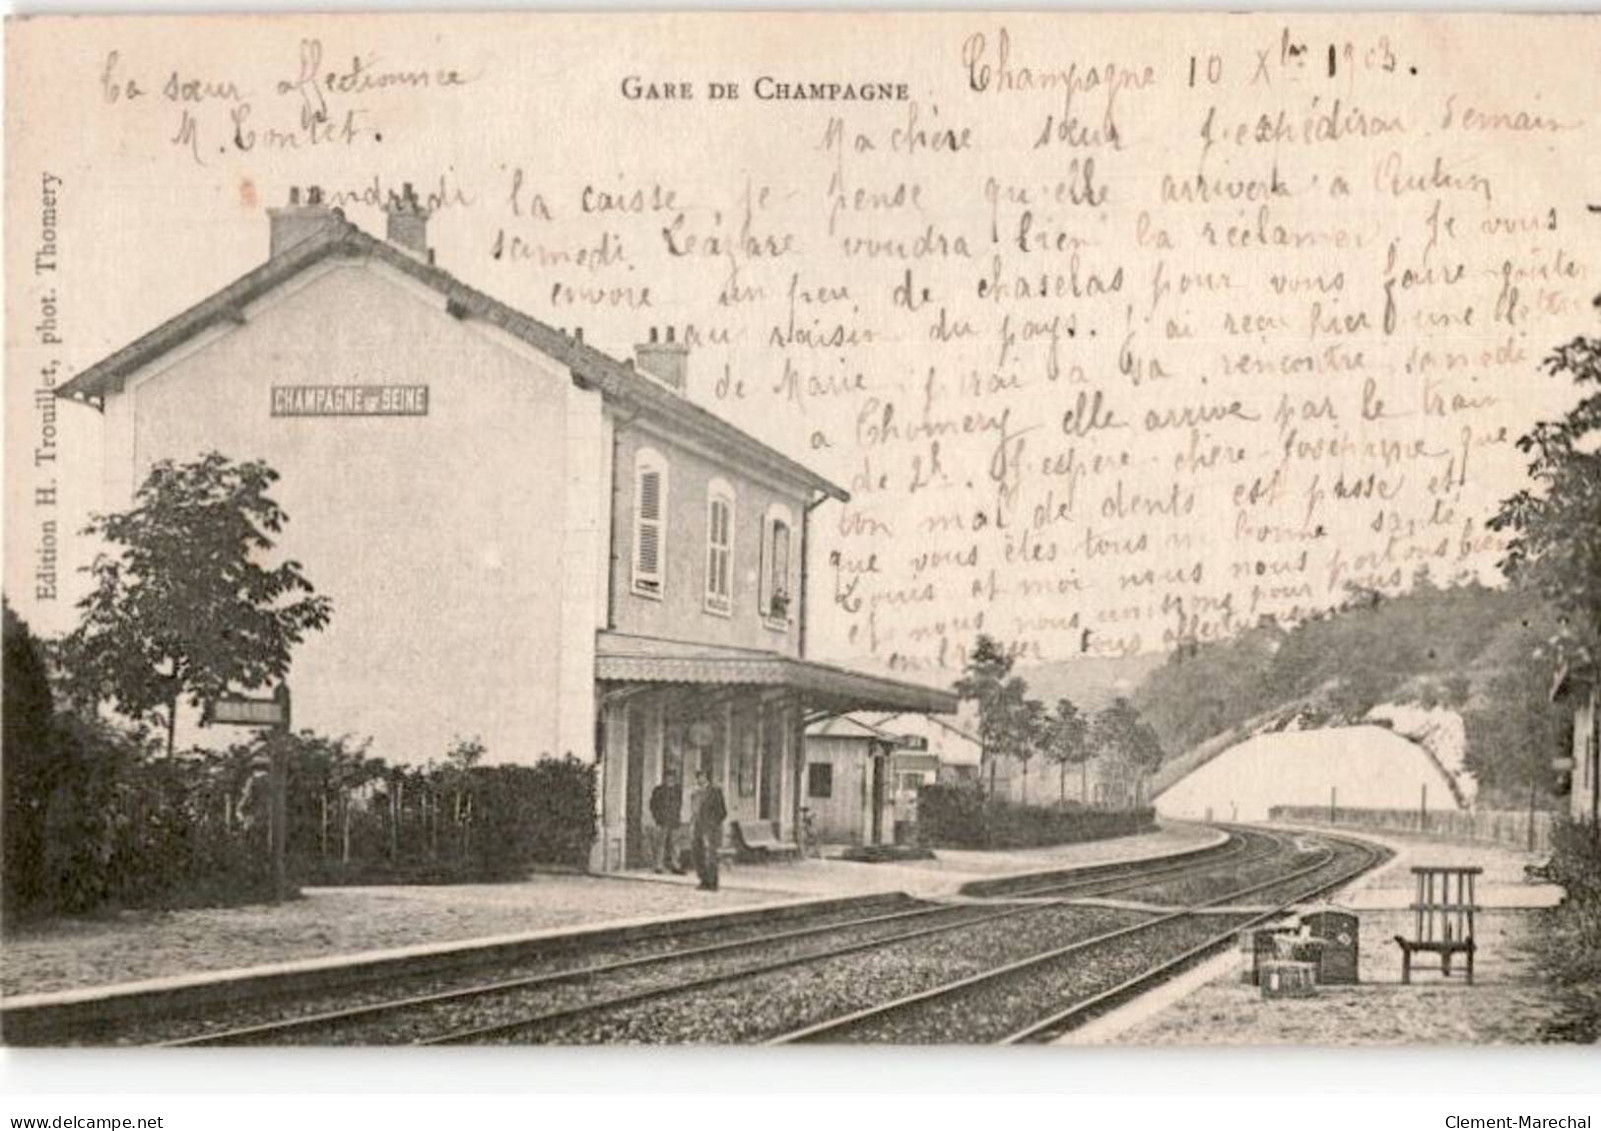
{"x":1513,"y":828}
{"x":112,"y":820}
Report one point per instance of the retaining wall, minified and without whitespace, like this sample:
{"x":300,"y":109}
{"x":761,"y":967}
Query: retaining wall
{"x":1508,"y":827}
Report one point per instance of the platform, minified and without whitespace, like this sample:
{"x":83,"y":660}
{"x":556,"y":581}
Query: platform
{"x":328,"y":923}
{"x":947,"y":873}
{"x":1391,"y":886}
{"x":1209,"y":1006}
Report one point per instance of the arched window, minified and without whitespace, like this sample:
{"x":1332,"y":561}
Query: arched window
{"x":719,"y":547}
{"x":650,"y":523}
{"x":777,"y":601}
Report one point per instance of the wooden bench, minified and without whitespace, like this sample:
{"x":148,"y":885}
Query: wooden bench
{"x":756,"y":842}
{"x":1444,"y":918}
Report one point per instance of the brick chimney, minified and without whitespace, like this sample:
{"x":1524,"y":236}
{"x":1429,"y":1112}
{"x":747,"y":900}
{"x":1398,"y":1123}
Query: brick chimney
{"x":408,"y":222}
{"x":297,"y":220}
{"x":663,"y":358}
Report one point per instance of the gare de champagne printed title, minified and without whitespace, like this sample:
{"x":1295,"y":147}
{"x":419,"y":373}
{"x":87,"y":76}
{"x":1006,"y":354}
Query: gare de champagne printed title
{"x":636,"y":88}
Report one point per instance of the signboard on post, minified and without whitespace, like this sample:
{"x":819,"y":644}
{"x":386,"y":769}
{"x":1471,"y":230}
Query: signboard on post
{"x":241,"y":710}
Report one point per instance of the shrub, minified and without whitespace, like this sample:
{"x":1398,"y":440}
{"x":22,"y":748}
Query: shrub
{"x":1568,"y":949}
{"x":952,"y":815}
{"x":114,"y":821}
{"x":127,"y":826}
{"x":960,"y":816}
{"x":26,"y":772}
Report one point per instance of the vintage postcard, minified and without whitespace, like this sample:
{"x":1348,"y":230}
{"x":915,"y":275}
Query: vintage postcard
{"x":795,"y":528}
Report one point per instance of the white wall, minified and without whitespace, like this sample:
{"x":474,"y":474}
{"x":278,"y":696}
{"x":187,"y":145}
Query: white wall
{"x":845,"y":816}
{"x":440,"y":538}
{"x":1366,"y":767}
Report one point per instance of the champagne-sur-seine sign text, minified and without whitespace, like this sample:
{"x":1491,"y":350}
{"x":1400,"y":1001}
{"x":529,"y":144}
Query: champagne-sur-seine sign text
{"x":350,"y":400}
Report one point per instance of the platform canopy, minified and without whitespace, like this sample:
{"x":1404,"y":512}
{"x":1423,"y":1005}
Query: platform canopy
{"x":625,"y":662}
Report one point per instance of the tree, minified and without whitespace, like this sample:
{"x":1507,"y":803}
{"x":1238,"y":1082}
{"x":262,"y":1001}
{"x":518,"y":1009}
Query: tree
{"x":182,"y":607}
{"x":1555,"y":548}
{"x":1033,"y":725}
{"x":27,"y":768}
{"x":1067,"y":743}
{"x":1513,"y":733}
{"x":1122,"y":734}
{"x":464,"y":754}
{"x":987,"y":671}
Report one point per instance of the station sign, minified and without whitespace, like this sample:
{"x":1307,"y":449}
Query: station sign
{"x":238,"y":710}
{"x":350,"y":400}
{"x":912,"y":742}
{"x":1562,"y":763}
{"x":245,"y":710}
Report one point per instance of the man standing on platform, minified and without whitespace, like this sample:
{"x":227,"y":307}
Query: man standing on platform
{"x":706,"y":827}
{"x":666,"y":809}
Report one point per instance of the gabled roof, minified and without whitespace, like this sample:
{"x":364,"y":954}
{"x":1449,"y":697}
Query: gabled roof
{"x":945,"y":724}
{"x":849,"y":726}
{"x":617,"y":381}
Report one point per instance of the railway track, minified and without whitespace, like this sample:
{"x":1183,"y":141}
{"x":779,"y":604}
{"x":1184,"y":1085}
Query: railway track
{"x":1083,"y":977}
{"x":578,"y":981}
{"x":1110,"y":879}
{"x":975,"y":970}
{"x":568,"y":993}
{"x":1361,"y":858}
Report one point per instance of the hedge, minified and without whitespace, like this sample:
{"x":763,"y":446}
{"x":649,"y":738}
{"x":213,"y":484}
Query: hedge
{"x":96,"y":814}
{"x":1567,"y":944}
{"x":960,"y":816}
{"x":124,"y":825}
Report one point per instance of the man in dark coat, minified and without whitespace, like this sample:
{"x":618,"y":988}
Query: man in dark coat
{"x":706,"y":827}
{"x":666,"y":809}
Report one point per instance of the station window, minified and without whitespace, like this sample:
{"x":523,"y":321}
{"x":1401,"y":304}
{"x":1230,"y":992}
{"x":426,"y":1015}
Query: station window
{"x":819,"y":780}
{"x":719,"y":547}
{"x":650,"y":523}
{"x":775,"y":598}
{"x":746,"y":752}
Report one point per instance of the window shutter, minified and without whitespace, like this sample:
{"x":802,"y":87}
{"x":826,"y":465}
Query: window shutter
{"x":764,"y":555}
{"x":719,"y":551}
{"x":649,"y":506}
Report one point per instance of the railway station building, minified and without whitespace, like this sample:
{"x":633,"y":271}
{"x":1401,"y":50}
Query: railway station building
{"x":525,"y":540}
{"x":862,"y":781}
